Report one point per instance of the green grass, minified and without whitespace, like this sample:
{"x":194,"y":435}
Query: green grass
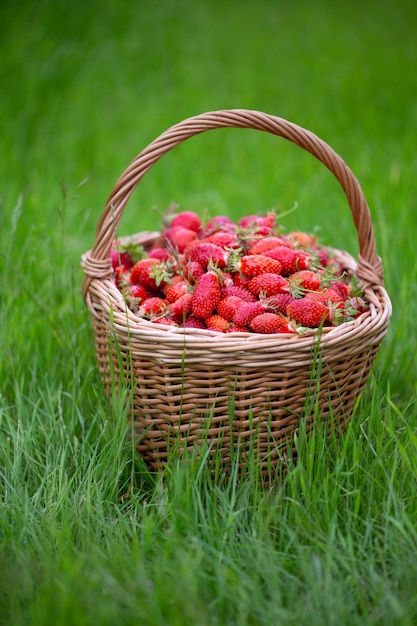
{"x":87,"y":535}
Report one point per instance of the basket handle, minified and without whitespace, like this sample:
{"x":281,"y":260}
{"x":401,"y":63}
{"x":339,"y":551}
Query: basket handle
{"x":97,"y":264}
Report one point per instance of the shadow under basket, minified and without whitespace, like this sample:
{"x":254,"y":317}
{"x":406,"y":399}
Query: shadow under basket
{"x":241,"y":394}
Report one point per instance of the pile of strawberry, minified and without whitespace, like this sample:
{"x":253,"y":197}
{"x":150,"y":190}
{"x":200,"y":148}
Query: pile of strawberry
{"x":244,"y":276}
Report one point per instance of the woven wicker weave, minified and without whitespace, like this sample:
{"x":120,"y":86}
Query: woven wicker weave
{"x":238,"y":391}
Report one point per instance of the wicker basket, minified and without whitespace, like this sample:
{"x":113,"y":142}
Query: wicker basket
{"x":243,"y":393}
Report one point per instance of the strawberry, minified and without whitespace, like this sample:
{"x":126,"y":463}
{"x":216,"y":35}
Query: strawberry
{"x":204,"y":253}
{"x":304,"y":280}
{"x":245,"y":314}
{"x":239,"y":280}
{"x":194,"y":322}
{"x":341,"y":288}
{"x":154,"y":305}
{"x":303,"y":240}
{"x":139,"y":292}
{"x":217,"y":323}
{"x":333,"y":300}
{"x":182,"y":306}
{"x":279,"y":303}
{"x":177,"y":238}
{"x":206,"y":295}
{"x":141,"y":273}
{"x":175,"y":290}
{"x":252,"y":265}
{"x":187,"y":219}
{"x":159,"y":253}
{"x":307,"y":312}
{"x":327,"y":296}
{"x":238,"y":291}
{"x":268,"y":284}
{"x":224,"y":239}
{"x":152,"y":273}
{"x":268,"y":323}
{"x":228,"y":306}
{"x":264,"y":244}
{"x":291,"y":260}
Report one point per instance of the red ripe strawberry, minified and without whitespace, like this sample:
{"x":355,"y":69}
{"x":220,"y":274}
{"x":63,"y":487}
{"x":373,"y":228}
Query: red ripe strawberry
{"x":228,"y":306}
{"x":217,"y":323}
{"x":341,"y":288}
{"x":141,"y":274}
{"x":305,"y":280}
{"x":224,"y":239}
{"x":187,"y":219}
{"x":139,"y":292}
{"x":159,"y":253}
{"x":204,"y":253}
{"x":194,"y":322}
{"x":245,"y":314}
{"x":269,"y":284}
{"x":279,"y":303}
{"x":264,"y":244}
{"x":252,"y":265}
{"x":182,"y":306}
{"x":239,"y":292}
{"x":178,"y":237}
{"x":291,"y":260}
{"x":154,"y":305}
{"x":327,"y":296}
{"x":307,"y":312}
{"x":268,"y":323}
{"x":239,"y":280}
{"x":206,"y":295}
{"x":175,"y":290}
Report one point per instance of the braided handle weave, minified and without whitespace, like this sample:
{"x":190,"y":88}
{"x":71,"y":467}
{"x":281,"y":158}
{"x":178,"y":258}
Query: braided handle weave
{"x":98,"y":265}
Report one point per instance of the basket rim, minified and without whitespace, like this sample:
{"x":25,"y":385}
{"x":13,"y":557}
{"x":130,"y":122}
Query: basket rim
{"x":124,"y":318}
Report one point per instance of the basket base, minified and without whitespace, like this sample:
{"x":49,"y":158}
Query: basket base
{"x":234,"y":416}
